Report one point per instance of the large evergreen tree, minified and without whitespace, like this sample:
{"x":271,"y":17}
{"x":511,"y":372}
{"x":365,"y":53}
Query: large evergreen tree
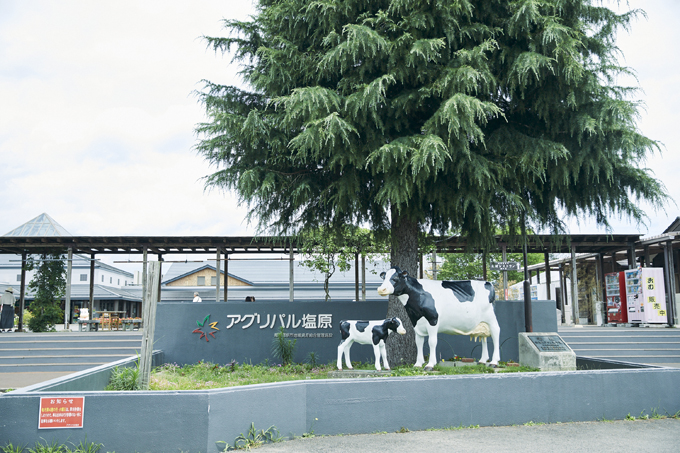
{"x":426,"y":115}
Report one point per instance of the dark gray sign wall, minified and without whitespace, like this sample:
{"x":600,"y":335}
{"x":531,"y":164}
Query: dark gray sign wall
{"x":246,"y":330}
{"x":221,"y":332}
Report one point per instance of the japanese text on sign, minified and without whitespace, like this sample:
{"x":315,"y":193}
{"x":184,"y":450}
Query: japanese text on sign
{"x":650,"y":283}
{"x":288,"y":321}
{"x":548,"y":343}
{"x":61,"y":412}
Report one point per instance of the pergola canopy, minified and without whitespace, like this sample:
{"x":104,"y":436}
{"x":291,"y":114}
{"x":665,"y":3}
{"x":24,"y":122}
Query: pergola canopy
{"x":582,"y":243}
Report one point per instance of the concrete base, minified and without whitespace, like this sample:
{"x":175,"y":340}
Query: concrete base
{"x":551,"y":354}
{"x":454,"y":364}
{"x":340,"y":374}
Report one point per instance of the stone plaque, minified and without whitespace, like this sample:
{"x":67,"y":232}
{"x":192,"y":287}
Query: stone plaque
{"x":545,"y":351}
{"x":548,"y":343}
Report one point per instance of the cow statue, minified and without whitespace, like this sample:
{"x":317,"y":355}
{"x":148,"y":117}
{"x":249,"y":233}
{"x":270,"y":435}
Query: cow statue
{"x":463,"y":307}
{"x":367,"y":332}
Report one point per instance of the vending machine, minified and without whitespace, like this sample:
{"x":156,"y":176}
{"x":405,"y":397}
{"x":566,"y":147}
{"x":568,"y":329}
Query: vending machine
{"x":617,"y":312}
{"x":645,"y":295}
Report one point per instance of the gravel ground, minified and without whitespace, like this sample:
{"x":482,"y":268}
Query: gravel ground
{"x":610,"y":436}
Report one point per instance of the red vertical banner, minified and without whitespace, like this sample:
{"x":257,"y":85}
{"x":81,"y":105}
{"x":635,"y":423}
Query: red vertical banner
{"x":56,"y":412}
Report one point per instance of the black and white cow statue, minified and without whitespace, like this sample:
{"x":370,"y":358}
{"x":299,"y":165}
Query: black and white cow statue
{"x":463,"y":307}
{"x":367,"y":332}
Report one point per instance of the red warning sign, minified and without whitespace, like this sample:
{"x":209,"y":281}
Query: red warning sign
{"x":61,"y":412}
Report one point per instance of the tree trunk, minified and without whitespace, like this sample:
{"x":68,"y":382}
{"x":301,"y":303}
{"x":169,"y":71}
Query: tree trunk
{"x":401,"y":349}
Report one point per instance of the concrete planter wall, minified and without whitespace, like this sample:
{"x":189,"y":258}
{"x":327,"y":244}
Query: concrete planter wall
{"x":193,"y":421}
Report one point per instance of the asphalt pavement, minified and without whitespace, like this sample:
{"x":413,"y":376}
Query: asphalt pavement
{"x":621,"y":436}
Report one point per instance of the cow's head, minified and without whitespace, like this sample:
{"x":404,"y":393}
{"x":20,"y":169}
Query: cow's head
{"x":394,"y":282}
{"x":395,"y":325}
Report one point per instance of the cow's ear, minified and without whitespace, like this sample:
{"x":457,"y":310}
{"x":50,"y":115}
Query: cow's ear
{"x":382,"y":275}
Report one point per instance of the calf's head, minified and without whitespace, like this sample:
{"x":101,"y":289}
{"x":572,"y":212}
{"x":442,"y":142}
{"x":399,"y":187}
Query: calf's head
{"x":394,"y":282}
{"x":395,"y":325}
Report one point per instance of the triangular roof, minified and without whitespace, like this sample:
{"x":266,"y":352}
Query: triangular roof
{"x":43,"y":225}
{"x":206,"y":266}
{"x":673,"y":227}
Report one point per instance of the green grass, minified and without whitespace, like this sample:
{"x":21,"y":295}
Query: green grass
{"x":206,"y":375}
{"x":53,"y":447}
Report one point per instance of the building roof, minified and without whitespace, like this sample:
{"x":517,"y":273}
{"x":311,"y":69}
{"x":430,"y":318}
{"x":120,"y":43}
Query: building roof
{"x":40,"y":226}
{"x":256,"y":272}
{"x":173,"y":278}
{"x":79,"y":262}
{"x":673,"y":227}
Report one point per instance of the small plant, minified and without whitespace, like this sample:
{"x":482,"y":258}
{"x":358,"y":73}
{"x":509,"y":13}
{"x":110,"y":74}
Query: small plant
{"x":10,"y":448}
{"x":85,"y":447}
{"x":403,"y":429}
{"x":312,"y":359}
{"x":310,"y":433}
{"x":533,"y":423}
{"x":282,"y":348}
{"x":630,"y":417}
{"x":124,"y":379}
{"x":255,"y":438}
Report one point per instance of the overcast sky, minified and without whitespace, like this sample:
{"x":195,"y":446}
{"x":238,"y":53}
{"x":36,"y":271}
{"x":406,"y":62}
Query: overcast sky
{"x":97,"y":114}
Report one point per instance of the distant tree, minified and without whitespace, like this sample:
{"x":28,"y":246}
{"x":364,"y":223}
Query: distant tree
{"x":421,"y":115}
{"x":48,"y":286}
{"x":327,"y":250}
{"x":469,"y":266}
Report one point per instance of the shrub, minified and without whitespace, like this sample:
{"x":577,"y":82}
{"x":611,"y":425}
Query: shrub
{"x":124,"y":379}
{"x":282,"y":348}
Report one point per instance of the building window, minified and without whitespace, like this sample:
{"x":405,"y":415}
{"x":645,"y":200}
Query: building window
{"x":102,"y":279}
{"x":118,"y":282}
{"x":201,"y":281}
{"x":110,"y":280}
{"x":19,"y":277}
{"x":213,"y":281}
{"x":83,"y":277}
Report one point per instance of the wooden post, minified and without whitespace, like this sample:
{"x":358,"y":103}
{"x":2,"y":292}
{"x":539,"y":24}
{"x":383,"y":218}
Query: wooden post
{"x":563,"y":293}
{"x":670,"y":282}
{"x":599,"y":276}
{"x":484,"y":274}
{"x":434,"y":264}
{"x":151,"y":296}
{"x":67,"y":302}
{"x":226,"y":275}
{"x":356,"y":277}
{"x":546,"y":258}
{"x":528,"y":318}
{"x":504,"y":249}
{"x":218,"y":257}
{"x":647,"y":261}
{"x":291,"y":276}
{"x":631,"y":255}
{"x":90,"y":303}
{"x":421,"y":265}
{"x":145,"y":262}
{"x":22,"y":292}
{"x":363,"y":277}
{"x":574,"y":287}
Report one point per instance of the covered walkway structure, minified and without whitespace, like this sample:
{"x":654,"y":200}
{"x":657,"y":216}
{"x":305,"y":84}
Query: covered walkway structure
{"x":601,"y":247}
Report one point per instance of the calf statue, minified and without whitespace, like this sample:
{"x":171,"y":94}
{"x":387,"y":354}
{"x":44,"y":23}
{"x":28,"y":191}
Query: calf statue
{"x":367,"y":332}
{"x":463,"y":307}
